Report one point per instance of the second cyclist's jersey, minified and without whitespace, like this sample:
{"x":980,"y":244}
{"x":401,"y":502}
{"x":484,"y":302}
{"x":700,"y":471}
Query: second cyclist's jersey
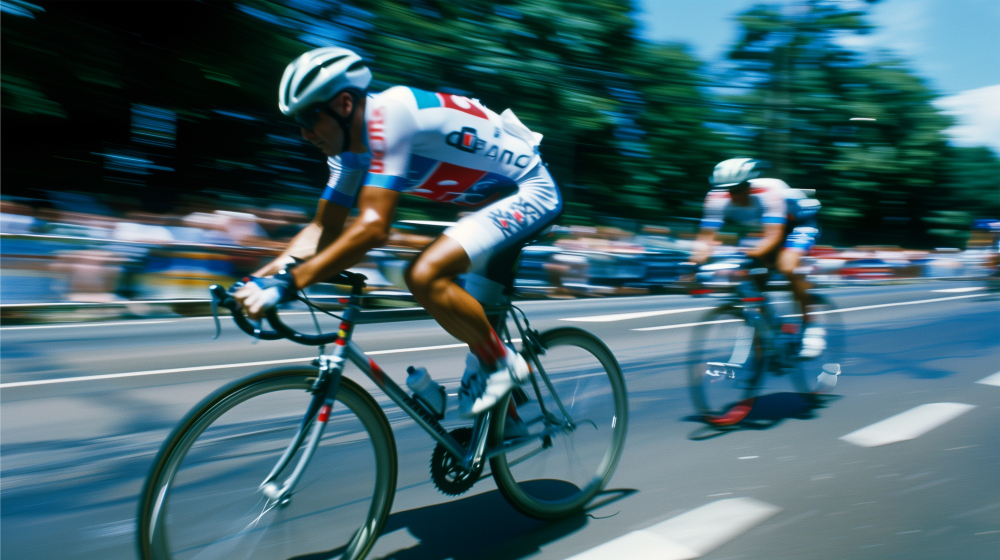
{"x":438,"y":146}
{"x":772,"y":201}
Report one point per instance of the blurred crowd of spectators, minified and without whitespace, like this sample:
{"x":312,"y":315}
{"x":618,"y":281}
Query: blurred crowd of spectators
{"x":83,"y":250}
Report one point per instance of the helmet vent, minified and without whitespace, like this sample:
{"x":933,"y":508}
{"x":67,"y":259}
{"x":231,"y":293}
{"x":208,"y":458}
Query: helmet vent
{"x":307,"y":81}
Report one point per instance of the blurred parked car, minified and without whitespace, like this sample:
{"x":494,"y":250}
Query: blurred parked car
{"x":868,"y":269}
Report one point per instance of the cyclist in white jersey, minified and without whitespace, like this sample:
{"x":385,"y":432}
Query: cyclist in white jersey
{"x":786,"y":217}
{"x":439,"y":146}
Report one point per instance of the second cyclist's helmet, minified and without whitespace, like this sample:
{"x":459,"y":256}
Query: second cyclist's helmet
{"x":320,"y":74}
{"x":736,"y":171}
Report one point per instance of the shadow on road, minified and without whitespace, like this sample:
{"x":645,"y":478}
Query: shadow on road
{"x":768,"y":411}
{"x":480,"y":527}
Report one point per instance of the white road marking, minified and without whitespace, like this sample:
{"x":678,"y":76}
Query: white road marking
{"x":959,"y":290}
{"x":78,"y":325}
{"x":881,"y":305}
{"x":689,"y":535}
{"x":907,"y":425}
{"x":844,"y":310}
{"x":220,"y":366}
{"x":991,"y":380}
{"x":685,"y":325}
{"x":628,"y":316}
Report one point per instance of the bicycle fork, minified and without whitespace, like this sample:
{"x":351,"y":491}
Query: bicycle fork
{"x":313,"y":425}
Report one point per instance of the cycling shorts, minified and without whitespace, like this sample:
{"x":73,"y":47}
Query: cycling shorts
{"x":802,"y":237}
{"x":509,"y":222}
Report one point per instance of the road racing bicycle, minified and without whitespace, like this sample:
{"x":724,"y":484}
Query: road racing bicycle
{"x":301,"y":462}
{"x":749,"y":335}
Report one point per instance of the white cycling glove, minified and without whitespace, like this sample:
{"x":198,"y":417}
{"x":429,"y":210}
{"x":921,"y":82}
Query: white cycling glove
{"x":261,"y":294}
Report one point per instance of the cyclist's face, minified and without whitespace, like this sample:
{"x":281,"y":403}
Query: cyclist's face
{"x":325,"y":134}
{"x":741,"y":196}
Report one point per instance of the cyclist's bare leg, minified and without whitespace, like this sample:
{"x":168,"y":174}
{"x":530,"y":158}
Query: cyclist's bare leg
{"x":431,"y":279}
{"x":788,"y":262}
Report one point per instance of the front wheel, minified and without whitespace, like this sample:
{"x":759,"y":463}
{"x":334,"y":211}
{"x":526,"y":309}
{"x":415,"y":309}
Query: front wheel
{"x":725,"y":366}
{"x":203,"y":497}
{"x":574,"y":448}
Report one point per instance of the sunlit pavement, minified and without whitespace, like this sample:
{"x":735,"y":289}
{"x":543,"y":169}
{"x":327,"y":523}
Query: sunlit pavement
{"x":902,"y":462}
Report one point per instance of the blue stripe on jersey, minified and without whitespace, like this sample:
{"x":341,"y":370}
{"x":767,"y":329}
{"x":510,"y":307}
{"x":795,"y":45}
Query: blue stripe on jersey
{"x":420,"y":168}
{"x":772,"y":220}
{"x":713,"y":224}
{"x":425,"y":99}
{"x":390,"y":182}
{"x":338,"y":197}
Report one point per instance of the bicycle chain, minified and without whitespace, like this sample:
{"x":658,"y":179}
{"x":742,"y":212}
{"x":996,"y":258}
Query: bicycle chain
{"x":446,"y":473}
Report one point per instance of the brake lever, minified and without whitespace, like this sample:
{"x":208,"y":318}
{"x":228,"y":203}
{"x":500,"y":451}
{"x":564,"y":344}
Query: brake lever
{"x":219,"y":295}
{"x":215,"y":316}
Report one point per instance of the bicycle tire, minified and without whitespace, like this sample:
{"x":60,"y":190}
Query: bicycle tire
{"x":590,"y":384}
{"x":725,"y":366}
{"x":244,"y":443}
{"x":809,"y":378}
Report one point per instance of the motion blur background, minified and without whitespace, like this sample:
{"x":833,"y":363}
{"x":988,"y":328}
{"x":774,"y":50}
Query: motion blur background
{"x":144,"y":156}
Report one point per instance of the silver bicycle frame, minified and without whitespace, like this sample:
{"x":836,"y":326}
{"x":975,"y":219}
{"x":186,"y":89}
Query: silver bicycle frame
{"x":331,"y":367}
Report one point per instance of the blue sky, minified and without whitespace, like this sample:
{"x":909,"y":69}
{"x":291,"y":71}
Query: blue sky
{"x":953,"y":44}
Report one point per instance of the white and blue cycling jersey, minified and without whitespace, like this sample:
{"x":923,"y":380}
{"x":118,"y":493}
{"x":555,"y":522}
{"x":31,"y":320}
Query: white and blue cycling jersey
{"x":439,"y":146}
{"x":453,"y":149}
{"x":772,"y":201}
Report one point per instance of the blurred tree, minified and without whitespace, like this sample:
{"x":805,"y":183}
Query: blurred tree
{"x":860,"y":130}
{"x":71,"y":100}
{"x":622,"y":119}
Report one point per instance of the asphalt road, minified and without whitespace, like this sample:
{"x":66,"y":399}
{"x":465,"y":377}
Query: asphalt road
{"x":85,"y":407}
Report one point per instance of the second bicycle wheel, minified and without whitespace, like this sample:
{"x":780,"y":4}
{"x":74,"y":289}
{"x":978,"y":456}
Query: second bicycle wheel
{"x":725,"y":365}
{"x":203,"y":498}
{"x":574,"y":448}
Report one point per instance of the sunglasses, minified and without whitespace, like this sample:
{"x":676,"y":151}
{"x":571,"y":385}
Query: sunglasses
{"x":309,"y":116}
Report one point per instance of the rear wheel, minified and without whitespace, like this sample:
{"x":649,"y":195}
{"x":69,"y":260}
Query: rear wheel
{"x":725,"y":367}
{"x":574,"y":449}
{"x":203,"y":496}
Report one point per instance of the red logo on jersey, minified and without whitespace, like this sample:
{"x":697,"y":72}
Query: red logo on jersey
{"x":376,"y":140}
{"x":463,"y":104}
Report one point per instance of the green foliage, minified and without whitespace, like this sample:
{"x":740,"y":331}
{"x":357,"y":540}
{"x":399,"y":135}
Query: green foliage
{"x":632,"y":128}
{"x":881,"y":179}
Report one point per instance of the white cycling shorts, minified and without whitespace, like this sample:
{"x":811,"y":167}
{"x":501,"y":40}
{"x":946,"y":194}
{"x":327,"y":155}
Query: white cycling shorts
{"x":510,"y":221}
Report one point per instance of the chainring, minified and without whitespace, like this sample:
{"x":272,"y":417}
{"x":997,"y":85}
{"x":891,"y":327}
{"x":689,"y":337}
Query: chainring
{"x":446,"y":473}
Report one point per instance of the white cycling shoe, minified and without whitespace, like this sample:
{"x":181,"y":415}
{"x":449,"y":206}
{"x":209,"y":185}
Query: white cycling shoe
{"x":813,"y":342}
{"x":480,"y":391}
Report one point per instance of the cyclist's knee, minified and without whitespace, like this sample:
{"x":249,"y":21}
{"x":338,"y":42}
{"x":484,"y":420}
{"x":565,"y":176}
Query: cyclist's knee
{"x":421,"y":277}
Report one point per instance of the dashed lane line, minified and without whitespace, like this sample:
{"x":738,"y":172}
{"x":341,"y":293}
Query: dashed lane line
{"x":689,"y":535}
{"x":907,"y":425}
{"x":991,"y":380}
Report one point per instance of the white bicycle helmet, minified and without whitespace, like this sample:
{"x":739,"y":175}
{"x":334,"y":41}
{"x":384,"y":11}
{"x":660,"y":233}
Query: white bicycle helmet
{"x":320,"y":74}
{"x":734,"y":171}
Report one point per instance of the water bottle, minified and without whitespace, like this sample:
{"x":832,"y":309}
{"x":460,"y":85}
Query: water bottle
{"x":426,"y":390}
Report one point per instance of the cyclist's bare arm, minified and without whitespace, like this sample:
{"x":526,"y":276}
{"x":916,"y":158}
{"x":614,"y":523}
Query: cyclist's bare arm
{"x":376,"y":207}
{"x":321,"y":231}
{"x":703,"y":245}
{"x":774,"y":234}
